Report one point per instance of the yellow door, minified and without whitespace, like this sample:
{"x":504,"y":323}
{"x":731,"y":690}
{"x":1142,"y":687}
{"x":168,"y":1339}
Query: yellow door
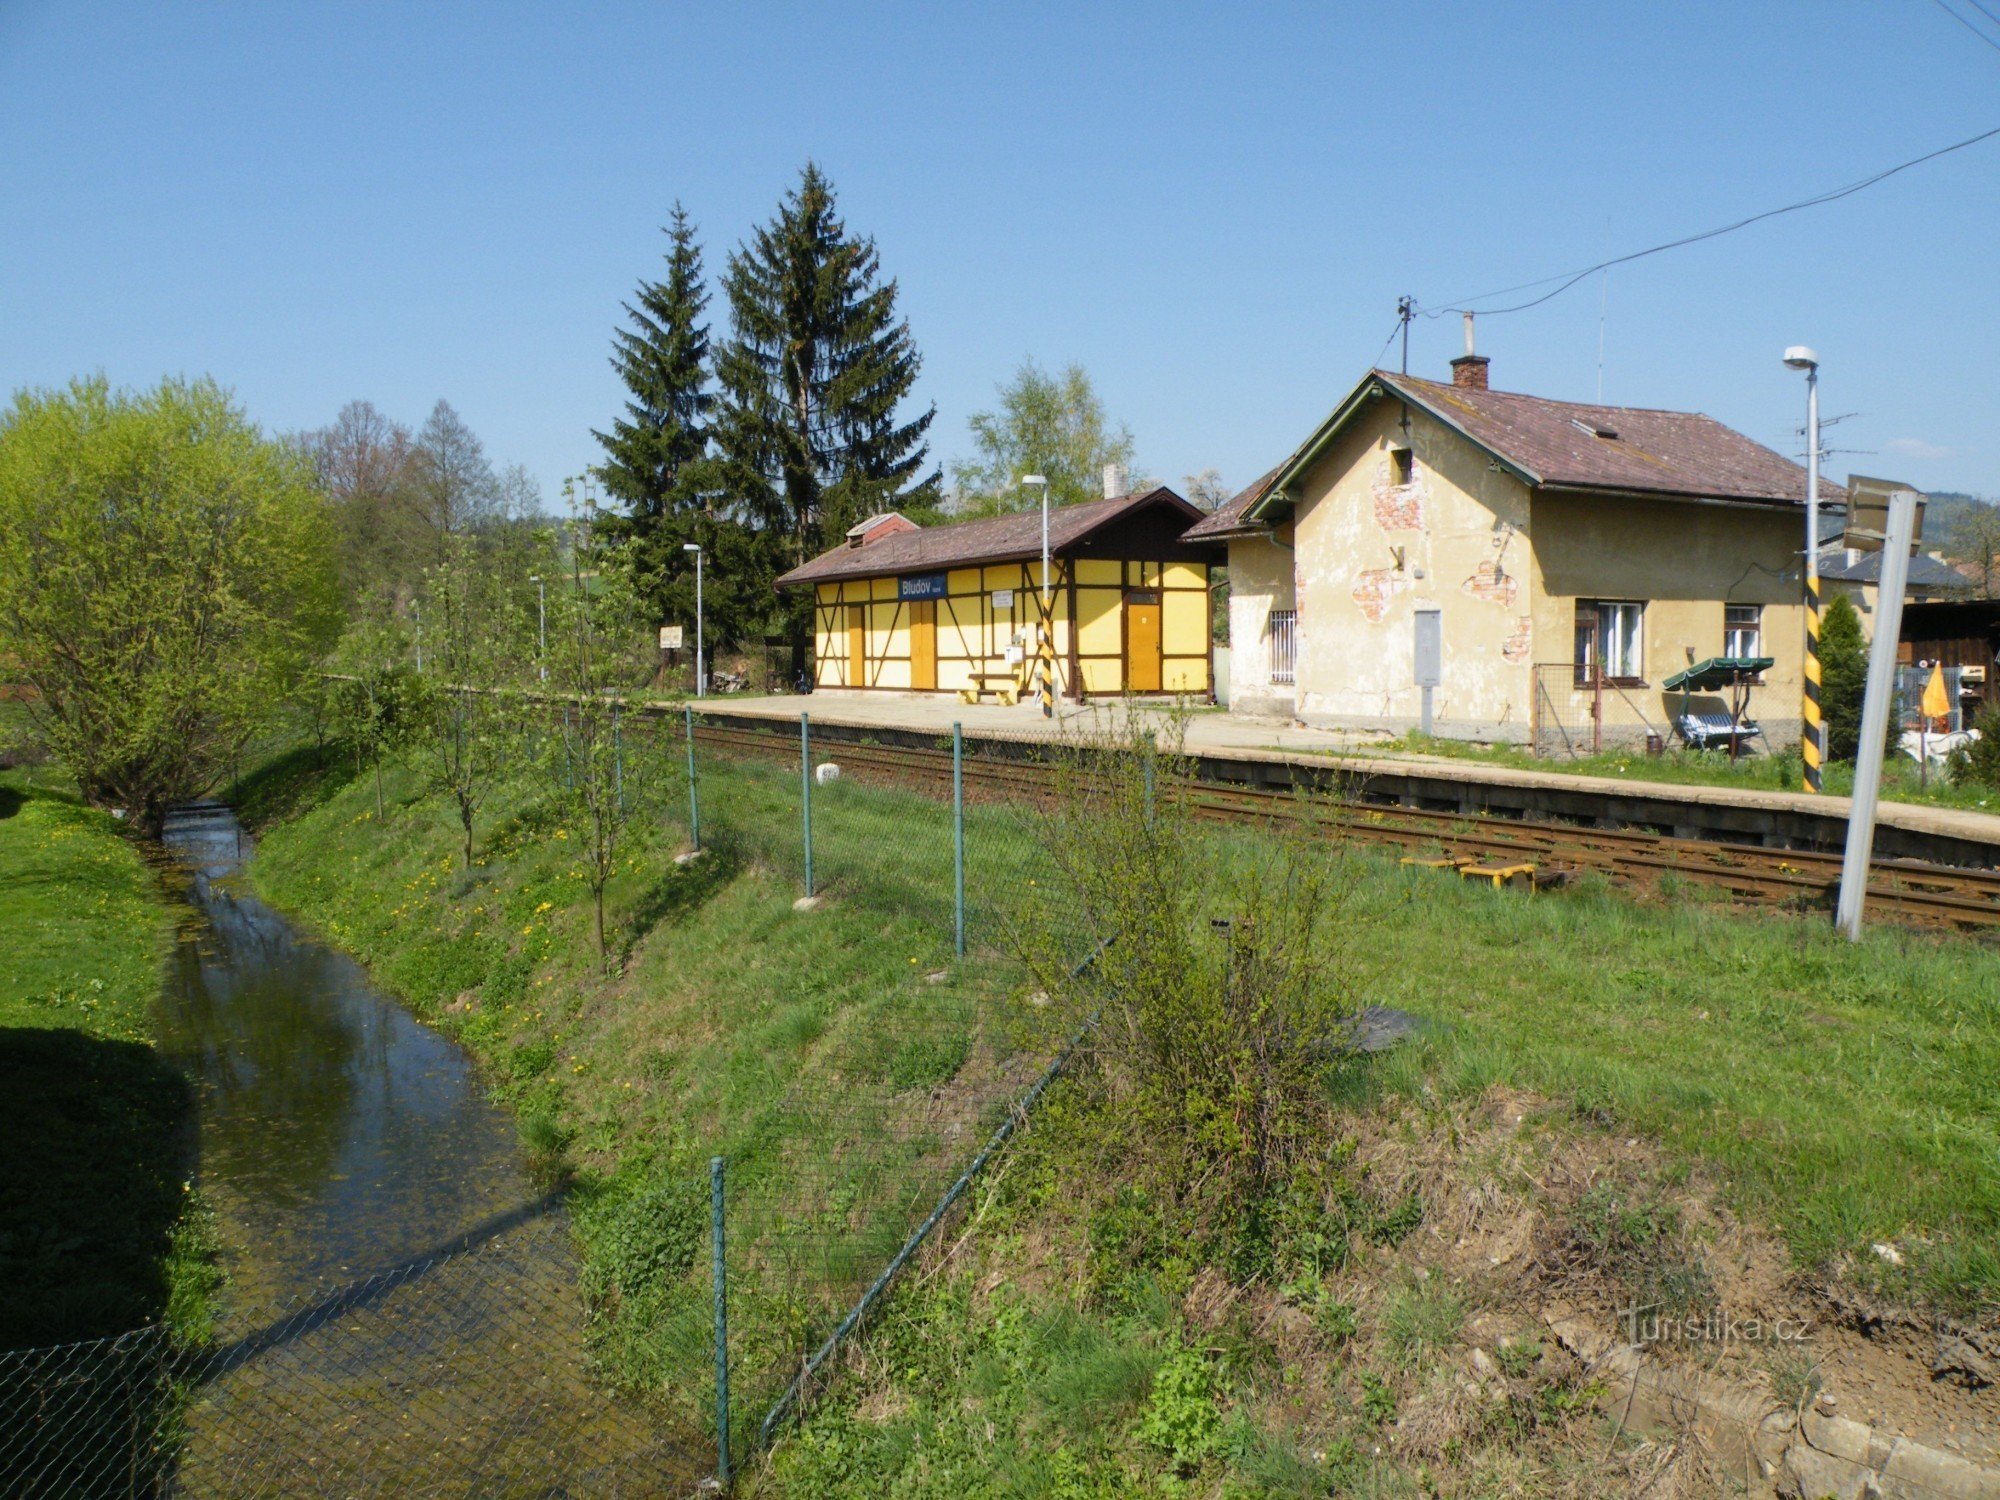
{"x":923,"y":645}
{"x":857,"y":645}
{"x":1142,"y":641}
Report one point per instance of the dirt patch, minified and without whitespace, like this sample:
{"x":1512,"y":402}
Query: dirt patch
{"x":1544,"y":1218}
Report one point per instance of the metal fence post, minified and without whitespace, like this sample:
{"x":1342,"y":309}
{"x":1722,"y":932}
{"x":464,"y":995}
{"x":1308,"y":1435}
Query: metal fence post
{"x":958,"y":835}
{"x":806,"y":793}
{"x":715,"y":1199}
{"x":1150,"y":755}
{"x":694,"y":801}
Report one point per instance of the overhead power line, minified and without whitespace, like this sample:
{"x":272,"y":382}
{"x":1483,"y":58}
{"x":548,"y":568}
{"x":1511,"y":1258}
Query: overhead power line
{"x":1570,"y":279}
{"x":1968,"y":25}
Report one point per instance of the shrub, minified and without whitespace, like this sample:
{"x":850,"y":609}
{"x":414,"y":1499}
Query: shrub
{"x":1979,"y":762}
{"x":1181,"y":1418}
{"x":1216,"y":1008}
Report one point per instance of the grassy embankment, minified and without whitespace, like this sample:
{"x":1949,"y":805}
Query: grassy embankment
{"x":1901,"y":779}
{"x":1836,"y":1094}
{"x":100,"y":1232}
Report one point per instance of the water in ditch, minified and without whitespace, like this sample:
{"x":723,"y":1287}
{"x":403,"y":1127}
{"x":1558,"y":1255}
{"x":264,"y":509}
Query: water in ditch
{"x":401,"y":1313}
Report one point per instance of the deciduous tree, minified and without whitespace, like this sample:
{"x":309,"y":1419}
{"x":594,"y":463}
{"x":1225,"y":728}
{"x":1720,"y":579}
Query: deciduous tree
{"x":1053,"y":425}
{"x":366,"y":463}
{"x":166,"y":571}
{"x":471,"y":644}
{"x":454,"y":486}
{"x":601,"y":784}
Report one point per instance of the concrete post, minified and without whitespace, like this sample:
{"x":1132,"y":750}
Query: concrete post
{"x":694,"y":798}
{"x":1875,"y":712}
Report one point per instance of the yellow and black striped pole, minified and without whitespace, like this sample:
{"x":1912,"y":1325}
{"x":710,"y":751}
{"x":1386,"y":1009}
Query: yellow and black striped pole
{"x":1812,"y":726}
{"x":1812,"y":742}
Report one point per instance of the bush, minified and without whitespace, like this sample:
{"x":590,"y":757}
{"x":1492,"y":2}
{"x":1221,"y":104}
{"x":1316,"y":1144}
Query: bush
{"x":1979,"y":762}
{"x":1217,"y":1006}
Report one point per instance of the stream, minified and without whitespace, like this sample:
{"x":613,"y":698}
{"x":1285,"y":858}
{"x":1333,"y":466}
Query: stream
{"x":401,"y":1313}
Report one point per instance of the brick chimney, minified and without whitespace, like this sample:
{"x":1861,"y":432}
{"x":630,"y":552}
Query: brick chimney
{"x":1469,"y":369}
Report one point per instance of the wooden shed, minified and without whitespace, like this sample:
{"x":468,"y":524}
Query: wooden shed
{"x":962,"y":607}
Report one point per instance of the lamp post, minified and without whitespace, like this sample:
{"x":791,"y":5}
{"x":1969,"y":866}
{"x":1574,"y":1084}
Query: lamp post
{"x":700,"y":665}
{"x":541,"y":623}
{"x":1812,"y":741}
{"x":1041,"y":480}
{"x":1045,"y":653}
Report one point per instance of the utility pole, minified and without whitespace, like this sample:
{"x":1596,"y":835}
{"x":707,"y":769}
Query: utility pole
{"x":1812,"y":738}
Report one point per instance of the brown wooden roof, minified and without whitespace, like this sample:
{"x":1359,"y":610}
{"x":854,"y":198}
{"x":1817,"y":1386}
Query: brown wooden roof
{"x":993,"y":539}
{"x":1229,"y":519}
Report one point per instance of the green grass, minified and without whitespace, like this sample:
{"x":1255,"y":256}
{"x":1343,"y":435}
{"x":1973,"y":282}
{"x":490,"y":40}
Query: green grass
{"x":816,"y":1052}
{"x":93,"y":1185}
{"x":1838,"y":1093}
{"x":1901,"y":780}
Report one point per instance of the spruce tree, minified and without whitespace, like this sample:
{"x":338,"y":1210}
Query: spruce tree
{"x":813,"y":378}
{"x":657,"y":467}
{"x":1843,"y":675}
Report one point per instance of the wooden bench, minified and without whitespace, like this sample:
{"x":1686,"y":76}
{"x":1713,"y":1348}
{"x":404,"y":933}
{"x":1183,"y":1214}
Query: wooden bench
{"x":1003,"y":686}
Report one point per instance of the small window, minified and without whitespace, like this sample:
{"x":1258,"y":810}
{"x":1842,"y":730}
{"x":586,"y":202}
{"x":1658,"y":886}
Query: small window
{"x":1402,"y":466}
{"x":1610,"y":638}
{"x":1742,"y":630}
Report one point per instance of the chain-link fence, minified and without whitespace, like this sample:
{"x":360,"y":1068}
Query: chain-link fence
{"x":492,"y":1371}
{"x":460,"y":1374}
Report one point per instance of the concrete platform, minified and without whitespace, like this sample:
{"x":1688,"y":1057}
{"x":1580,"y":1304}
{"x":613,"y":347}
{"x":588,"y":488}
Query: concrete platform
{"x":1270,"y":752}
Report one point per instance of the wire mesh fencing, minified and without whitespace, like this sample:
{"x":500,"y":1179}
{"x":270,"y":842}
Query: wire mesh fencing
{"x":461,"y":1374}
{"x":694,"y":1323}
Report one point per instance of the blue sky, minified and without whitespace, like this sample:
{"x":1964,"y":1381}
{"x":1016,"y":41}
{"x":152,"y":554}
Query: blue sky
{"x":1212,"y":208}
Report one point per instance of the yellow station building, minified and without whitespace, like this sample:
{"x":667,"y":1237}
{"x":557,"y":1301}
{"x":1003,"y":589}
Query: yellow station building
{"x":962,"y":608}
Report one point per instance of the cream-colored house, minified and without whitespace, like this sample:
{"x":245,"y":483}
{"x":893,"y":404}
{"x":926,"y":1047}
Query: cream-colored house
{"x":1563,"y":558}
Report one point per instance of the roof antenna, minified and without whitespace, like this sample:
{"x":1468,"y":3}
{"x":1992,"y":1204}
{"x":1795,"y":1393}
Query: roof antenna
{"x":1603,"y":298}
{"x":1404,"y":307}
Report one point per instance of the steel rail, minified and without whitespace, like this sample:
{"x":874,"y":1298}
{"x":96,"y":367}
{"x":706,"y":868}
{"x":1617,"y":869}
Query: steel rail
{"x":1909,"y":890}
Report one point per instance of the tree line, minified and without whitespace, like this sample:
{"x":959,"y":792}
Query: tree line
{"x":763,"y":444}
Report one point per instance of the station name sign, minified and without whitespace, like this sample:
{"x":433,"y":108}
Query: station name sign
{"x":921,"y":586}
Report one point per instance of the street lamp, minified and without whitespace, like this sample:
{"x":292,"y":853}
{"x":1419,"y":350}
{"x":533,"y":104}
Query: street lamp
{"x":541,"y":622}
{"x":700,"y":666}
{"x":1042,"y":481}
{"x":1812,"y":742}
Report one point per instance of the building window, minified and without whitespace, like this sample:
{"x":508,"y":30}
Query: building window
{"x":1742,"y":630}
{"x":1284,"y":634}
{"x":1610,"y":637}
{"x":1402,"y":466}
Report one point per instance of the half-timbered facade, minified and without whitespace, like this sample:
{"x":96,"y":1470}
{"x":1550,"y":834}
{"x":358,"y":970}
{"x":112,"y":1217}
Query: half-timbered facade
{"x":965,"y":607}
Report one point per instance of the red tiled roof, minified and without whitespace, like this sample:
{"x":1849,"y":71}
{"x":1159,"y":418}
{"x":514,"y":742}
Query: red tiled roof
{"x":1574,"y":445}
{"x":993,"y":539}
{"x":1228,"y":519}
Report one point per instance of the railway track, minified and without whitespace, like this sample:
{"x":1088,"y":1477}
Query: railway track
{"x":1907,"y":891}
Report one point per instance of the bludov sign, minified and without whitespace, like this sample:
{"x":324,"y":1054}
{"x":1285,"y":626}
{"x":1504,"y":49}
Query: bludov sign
{"x":921,"y":586}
